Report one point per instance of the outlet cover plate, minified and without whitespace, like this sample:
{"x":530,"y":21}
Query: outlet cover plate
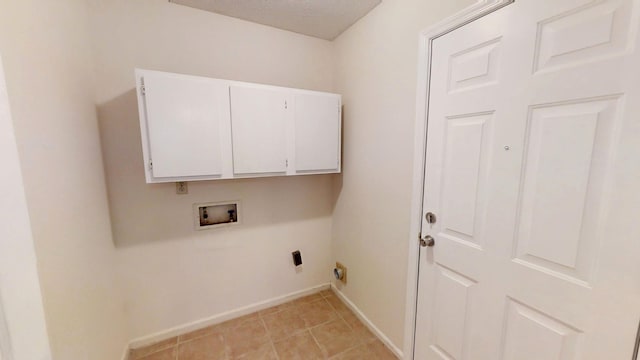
{"x":344,"y":272}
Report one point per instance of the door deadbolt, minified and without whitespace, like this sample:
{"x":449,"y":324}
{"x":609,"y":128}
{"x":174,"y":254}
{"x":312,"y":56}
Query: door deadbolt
{"x":430,"y":217}
{"x":427,"y":241}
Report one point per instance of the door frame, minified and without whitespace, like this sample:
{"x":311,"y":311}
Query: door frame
{"x":23,"y":327}
{"x":426,"y":38}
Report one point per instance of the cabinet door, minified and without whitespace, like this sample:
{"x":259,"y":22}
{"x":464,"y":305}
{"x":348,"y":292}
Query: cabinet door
{"x":258,"y":123}
{"x":317,"y":132}
{"x":184,"y":118}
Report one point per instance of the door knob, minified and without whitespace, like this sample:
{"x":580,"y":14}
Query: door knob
{"x":427,"y":241}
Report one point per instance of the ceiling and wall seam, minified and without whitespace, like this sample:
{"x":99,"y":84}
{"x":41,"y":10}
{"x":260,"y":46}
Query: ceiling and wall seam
{"x":324,"y":19}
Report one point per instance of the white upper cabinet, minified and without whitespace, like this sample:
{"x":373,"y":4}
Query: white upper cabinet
{"x":197,"y":128}
{"x":317,"y":132}
{"x":185,"y":124}
{"x":258,"y":123}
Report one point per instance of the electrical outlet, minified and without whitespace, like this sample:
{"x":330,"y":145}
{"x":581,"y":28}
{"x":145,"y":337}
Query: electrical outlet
{"x":182,"y":188}
{"x":297,"y":258}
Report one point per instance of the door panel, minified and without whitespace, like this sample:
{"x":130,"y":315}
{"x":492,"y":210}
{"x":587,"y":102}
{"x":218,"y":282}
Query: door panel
{"x":475,"y":67}
{"x":531,"y":155}
{"x":562,"y":185}
{"x":532,"y":335}
{"x":464,"y":168}
{"x":453,"y":293}
{"x":184,"y":116}
{"x":584,"y":33}
{"x":258,"y":123}
{"x":317,"y":132}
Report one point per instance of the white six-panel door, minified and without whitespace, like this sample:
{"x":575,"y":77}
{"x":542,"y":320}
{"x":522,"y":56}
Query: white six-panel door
{"x":533,"y":173}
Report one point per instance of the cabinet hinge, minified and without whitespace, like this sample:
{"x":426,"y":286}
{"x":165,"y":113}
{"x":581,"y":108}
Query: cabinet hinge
{"x":286,"y":163}
{"x":285,"y":104}
{"x":150,"y":165}
{"x":143,"y":90}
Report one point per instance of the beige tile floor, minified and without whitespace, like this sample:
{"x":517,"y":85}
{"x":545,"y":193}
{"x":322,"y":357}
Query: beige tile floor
{"x":318,"y":326}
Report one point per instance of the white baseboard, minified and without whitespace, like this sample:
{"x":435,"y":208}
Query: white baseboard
{"x":125,"y":353}
{"x":219,"y":318}
{"x":368,"y":323}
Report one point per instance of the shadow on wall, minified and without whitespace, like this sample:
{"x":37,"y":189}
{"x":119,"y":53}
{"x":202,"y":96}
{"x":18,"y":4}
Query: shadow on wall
{"x":143,"y":213}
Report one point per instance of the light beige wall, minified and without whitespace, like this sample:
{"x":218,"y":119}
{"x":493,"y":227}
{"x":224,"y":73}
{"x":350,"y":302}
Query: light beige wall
{"x":23,"y":328}
{"x":159,"y":35}
{"x":171,"y":273}
{"x":376,"y":72}
{"x":46,"y":53}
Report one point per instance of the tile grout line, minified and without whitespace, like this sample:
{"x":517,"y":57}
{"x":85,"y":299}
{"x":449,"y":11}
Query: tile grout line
{"x":326,"y":322}
{"x":294,"y":306}
{"x":339,"y":316}
{"x":376,"y":338}
{"x":273,"y":346}
{"x":224,"y":344}
{"x":316,"y":342}
{"x":154,"y":352}
{"x":306,"y":329}
{"x":360,"y":342}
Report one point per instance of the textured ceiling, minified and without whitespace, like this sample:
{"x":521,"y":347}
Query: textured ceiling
{"x":325,"y":19}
